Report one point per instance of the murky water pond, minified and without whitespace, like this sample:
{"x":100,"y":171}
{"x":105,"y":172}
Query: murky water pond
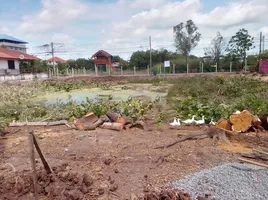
{"x":116,"y":93}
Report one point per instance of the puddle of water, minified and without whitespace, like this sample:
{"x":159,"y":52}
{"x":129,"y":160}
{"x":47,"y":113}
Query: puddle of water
{"x":115,"y":94}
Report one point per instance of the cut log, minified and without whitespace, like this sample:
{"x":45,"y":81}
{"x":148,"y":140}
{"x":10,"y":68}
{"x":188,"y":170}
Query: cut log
{"x":86,"y":120}
{"x":85,"y":127}
{"x":264,"y":121}
{"x":112,"y":126}
{"x":257,"y":123}
{"x":241,"y":122}
{"x":224,"y":124}
{"x":122,"y":120}
{"x":99,"y":122}
{"x":19,"y":124}
{"x":113,"y":116}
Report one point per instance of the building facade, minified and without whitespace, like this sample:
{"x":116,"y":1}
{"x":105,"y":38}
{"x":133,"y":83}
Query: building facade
{"x":10,"y":61}
{"x":12,"y":43}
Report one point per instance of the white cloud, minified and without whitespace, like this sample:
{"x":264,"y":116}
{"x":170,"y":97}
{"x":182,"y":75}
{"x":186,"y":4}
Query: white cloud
{"x":124,"y":26}
{"x":55,"y":15}
{"x":234,"y":14}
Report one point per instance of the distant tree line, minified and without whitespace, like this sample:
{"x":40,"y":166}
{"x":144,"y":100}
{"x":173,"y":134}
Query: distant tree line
{"x":186,"y":39}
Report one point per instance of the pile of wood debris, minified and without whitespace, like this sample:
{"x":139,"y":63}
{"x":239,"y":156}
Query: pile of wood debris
{"x":112,"y":121}
{"x":241,"y":122}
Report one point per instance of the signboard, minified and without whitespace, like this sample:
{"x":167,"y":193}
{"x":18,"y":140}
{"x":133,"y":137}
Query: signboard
{"x":264,"y":67}
{"x":167,"y":63}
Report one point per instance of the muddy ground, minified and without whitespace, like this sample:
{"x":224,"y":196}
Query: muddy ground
{"x":105,"y":164}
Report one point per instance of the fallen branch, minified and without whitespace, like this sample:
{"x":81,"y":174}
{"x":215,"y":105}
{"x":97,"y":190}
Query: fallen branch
{"x":161,"y":159}
{"x":211,"y":132}
{"x":55,"y":123}
{"x":253,"y":162}
{"x":260,"y":151}
{"x":254,"y":156}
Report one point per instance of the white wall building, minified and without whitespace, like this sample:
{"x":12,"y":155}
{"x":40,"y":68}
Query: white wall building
{"x":10,"y":61}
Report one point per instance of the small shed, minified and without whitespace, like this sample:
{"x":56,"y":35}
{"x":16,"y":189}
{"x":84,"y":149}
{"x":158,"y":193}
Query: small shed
{"x":103,"y":60}
{"x":264,"y":66}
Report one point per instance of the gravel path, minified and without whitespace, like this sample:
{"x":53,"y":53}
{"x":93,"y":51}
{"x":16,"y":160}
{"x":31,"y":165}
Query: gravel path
{"x":232,"y":181}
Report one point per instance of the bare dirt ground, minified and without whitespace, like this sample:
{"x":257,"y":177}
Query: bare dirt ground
{"x":116,"y":165}
{"x":105,"y":164}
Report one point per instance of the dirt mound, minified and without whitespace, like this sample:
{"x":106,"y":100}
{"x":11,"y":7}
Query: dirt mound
{"x":64,"y":184}
{"x":168,"y":194}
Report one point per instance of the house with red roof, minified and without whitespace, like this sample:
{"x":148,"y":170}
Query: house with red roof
{"x":10,"y":60}
{"x":56,"y":60}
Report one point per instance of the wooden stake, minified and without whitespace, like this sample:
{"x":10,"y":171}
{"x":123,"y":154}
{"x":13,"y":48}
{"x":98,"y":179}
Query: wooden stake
{"x":253,"y":162}
{"x":32,"y":158}
{"x":260,"y":151}
{"x":45,"y":163}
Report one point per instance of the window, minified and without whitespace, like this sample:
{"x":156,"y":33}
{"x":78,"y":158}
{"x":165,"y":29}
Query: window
{"x":11,"y":64}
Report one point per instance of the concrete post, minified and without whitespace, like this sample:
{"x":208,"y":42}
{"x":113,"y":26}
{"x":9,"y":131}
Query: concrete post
{"x":96,"y":70}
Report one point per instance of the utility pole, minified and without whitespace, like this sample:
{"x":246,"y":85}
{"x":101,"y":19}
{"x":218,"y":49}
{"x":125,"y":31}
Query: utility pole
{"x":260,"y":45}
{"x":52,"y":53}
{"x":263,"y":39}
{"x":260,"y":51}
{"x":150,"y":43}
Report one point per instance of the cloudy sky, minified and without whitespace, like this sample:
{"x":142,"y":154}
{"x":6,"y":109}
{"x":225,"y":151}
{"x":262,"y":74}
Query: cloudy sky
{"x":123,"y":26}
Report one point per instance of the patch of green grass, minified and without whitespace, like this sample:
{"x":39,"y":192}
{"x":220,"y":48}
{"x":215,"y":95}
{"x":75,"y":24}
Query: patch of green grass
{"x":218,"y":97}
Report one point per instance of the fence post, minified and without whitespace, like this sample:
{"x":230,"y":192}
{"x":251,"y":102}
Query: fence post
{"x":246,"y":63}
{"x":231,"y":64}
{"x":216,"y":67}
{"x":96,"y":70}
{"x":187,"y":68}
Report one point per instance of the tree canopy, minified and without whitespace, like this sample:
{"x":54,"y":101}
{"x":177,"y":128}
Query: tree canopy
{"x":240,"y":44}
{"x":186,"y":37}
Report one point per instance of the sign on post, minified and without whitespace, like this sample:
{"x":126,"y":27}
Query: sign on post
{"x":167,"y":63}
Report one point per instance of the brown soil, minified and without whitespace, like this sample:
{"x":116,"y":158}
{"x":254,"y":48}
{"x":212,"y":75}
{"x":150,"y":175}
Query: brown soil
{"x":104,"y":164}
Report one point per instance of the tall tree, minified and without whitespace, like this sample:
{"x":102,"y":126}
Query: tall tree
{"x":240,"y":44}
{"x":186,"y":37}
{"x":216,"y":48}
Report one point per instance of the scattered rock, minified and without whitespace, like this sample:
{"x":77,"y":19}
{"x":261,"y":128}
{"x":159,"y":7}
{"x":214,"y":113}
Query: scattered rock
{"x":107,"y":161}
{"x":87,"y":180}
{"x":74,"y":195}
{"x":63,"y":176}
{"x":113,"y":187}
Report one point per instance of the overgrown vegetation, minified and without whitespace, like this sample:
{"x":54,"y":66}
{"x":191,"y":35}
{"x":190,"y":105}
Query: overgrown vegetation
{"x":213,"y":97}
{"x":218,"y":97}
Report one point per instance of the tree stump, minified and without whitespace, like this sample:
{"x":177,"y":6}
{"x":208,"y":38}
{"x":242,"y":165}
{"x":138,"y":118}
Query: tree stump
{"x":224,"y":124}
{"x":241,"y":122}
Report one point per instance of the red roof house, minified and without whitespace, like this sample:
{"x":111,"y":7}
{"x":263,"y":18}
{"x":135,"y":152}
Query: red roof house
{"x":56,"y":60}
{"x":9,"y":60}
